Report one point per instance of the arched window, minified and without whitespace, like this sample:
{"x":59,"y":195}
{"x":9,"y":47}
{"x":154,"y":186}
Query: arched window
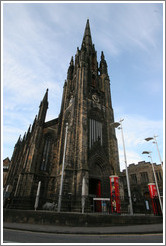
{"x":95,"y":132}
{"x":46,"y":154}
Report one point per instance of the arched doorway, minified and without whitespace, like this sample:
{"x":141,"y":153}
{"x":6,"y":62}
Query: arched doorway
{"x":95,"y":192}
{"x":95,"y":187}
{"x":99,"y":186}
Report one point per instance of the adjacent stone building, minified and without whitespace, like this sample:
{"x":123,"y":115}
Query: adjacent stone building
{"x":81,"y":137}
{"x":140,"y":175}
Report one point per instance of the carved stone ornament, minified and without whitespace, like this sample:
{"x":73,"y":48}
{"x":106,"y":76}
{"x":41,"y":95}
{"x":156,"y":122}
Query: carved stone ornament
{"x":95,"y":98}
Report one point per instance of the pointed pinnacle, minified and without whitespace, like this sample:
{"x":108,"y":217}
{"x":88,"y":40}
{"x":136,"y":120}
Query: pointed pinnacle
{"x":102,"y":56}
{"x":34,"y":121}
{"x":71,"y":62}
{"x":46,"y":95}
{"x":45,"y":98}
{"x":29,"y":129}
{"x":87,"y":40}
{"x":24,"y":136}
{"x":19,"y":139}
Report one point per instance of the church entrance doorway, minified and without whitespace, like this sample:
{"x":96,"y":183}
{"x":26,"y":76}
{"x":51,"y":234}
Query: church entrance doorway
{"x":95,"y":191}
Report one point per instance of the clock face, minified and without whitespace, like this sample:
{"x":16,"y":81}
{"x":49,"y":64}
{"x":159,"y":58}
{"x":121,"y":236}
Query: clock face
{"x":95,"y":98}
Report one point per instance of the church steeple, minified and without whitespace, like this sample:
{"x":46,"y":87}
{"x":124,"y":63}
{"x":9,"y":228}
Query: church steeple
{"x":90,"y":143}
{"x":87,"y":39}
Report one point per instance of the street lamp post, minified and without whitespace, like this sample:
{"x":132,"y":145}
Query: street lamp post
{"x":63,"y":165}
{"x":37,"y":195}
{"x":155,"y":142}
{"x":156,"y":183}
{"x":117,"y":124}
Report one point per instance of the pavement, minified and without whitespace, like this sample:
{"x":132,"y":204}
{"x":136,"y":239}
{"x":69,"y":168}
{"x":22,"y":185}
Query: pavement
{"x":131,"y":229}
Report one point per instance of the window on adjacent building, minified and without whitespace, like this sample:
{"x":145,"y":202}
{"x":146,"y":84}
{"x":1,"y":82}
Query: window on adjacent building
{"x":133,"y":178}
{"x":95,"y":132}
{"x":144,"y":177}
{"x":158,"y":175}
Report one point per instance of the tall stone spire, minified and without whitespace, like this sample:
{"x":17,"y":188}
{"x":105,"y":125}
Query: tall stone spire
{"x":87,"y":39}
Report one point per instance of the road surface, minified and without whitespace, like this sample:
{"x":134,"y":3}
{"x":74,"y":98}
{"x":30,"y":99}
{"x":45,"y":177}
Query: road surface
{"x":16,"y":236}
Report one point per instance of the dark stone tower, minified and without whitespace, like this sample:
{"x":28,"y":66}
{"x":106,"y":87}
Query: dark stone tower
{"x":86,"y":106}
{"x":91,"y":152}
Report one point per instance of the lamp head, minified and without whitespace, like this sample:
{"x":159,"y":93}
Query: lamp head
{"x":115,"y":124}
{"x":146,"y":152}
{"x":148,"y":139}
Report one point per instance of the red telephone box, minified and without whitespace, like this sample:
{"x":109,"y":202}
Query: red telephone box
{"x":154,"y":197}
{"x":114,"y":190}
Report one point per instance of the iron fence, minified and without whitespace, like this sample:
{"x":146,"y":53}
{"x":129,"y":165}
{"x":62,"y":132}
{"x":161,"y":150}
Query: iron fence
{"x":70,"y":203}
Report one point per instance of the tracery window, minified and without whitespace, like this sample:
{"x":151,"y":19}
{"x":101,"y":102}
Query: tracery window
{"x":95,"y":132}
{"x":46,"y":155}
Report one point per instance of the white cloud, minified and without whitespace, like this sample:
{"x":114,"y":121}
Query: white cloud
{"x":136,"y":128}
{"x":130,"y":26}
{"x":132,"y":157}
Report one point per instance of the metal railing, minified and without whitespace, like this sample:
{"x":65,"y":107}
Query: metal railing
{"x":71,"y":203}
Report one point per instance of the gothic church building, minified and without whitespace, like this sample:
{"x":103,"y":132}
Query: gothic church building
{"x":81,"y":137}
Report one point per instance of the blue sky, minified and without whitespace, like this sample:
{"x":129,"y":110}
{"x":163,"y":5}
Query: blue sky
{"x":38,"y":42}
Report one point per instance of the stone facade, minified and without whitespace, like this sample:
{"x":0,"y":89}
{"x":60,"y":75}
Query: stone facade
{"x":91,"y":150}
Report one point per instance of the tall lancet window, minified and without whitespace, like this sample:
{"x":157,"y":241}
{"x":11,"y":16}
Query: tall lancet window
{"x":46,"y":154}
{"x":95,"y":132}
